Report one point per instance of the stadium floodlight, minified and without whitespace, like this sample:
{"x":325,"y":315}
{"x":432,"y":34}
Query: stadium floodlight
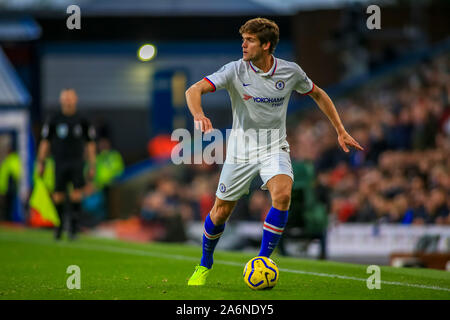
{"x":146,"y":52}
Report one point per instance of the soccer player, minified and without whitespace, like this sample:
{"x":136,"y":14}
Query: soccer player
{"x":259,"y":86}
{"x":66,"y":135}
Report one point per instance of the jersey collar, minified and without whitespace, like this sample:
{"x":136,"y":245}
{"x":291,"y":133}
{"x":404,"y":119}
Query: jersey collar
{"x":270,"y":73}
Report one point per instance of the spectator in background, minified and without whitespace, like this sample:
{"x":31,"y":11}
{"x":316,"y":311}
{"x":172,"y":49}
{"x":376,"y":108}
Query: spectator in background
{"x":377,"y":144}
{"x":444,"y":120}
{"x":10,"y":174}
{"x":155,"y":206}
{"x":201,"y":187}
{"x":424,"y":125}
{"x":162,"y":205}
{"x":401,"y":130}
{"x":398,"y":207}
{"x":109,"y":165}
{"x":436,"y":206}
{"x":258,"y":205}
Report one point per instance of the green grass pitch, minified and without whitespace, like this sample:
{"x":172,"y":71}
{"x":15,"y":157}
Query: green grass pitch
{"x":33,"y":266}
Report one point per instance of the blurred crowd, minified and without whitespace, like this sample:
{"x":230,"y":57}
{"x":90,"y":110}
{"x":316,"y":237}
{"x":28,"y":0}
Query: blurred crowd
{"x":402,"y":176}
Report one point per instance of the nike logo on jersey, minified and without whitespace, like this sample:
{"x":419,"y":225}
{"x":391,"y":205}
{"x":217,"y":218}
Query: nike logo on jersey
{"x":246,"y":84}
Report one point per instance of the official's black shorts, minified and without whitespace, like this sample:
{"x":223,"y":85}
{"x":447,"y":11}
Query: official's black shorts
{"x":68,"y":172}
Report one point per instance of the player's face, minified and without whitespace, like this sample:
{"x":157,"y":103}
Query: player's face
{"x":68,"y":100}
{"x":252,"y":49}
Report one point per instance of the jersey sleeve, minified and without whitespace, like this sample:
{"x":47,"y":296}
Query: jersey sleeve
{"x":91,"y":133}
{"x":48,"y":129}
{"x":222,"y":77}
{"x":303,"y":84}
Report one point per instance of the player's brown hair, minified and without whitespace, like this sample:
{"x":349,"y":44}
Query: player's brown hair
{"x":266,"y":30}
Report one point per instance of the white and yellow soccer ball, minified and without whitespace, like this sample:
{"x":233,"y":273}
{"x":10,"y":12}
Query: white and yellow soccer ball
{"x":261,"y":273}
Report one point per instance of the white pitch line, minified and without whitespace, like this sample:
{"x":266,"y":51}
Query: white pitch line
{"x":139,"y":252}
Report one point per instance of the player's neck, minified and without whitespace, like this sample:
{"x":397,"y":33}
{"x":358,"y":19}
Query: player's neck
{"x":265,"y":63}
{"x":68,"y":114}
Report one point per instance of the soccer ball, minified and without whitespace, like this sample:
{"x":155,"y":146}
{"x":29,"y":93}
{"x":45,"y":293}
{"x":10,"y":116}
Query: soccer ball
{"x":261,"y":273}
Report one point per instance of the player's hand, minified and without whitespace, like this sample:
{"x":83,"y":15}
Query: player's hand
{"x":345,"y":139}
{"x":203,"y":123}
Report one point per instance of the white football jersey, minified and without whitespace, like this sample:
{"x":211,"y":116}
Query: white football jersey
{"x":259,"y":102}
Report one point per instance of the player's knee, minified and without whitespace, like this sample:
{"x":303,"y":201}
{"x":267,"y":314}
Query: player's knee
{"x":282,"y":200}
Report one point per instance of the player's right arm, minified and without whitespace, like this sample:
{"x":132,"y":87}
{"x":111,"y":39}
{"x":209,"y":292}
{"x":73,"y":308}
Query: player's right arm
{"x":194,"y":102}
{"x":44,"y":146}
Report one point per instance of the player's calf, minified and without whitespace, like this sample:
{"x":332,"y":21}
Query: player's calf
{"x":211,"y":236}
{"x":272,"y":230}
{"x":221,"y":211}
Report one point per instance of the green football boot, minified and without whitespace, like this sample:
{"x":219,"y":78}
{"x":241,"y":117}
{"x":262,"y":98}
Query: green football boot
{"x":199,"y":276}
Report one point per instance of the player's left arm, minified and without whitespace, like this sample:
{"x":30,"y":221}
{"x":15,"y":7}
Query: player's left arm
{"x":327,"y":106}
{"x":91,"y":156}
{"x":91,"y":152}
{"x":44,"y":147}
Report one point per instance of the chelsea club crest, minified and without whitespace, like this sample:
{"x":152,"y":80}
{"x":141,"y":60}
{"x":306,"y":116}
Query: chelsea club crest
{"x":279,"y":84}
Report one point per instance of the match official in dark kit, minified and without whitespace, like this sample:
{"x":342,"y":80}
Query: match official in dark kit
{"x":66,"y":135}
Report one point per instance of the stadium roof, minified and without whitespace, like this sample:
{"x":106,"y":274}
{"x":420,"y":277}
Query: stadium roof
{"x":176,"y":7}
{"x":15,"y":29}
{"x":12,"y":91}
{"x":141,"y":7}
